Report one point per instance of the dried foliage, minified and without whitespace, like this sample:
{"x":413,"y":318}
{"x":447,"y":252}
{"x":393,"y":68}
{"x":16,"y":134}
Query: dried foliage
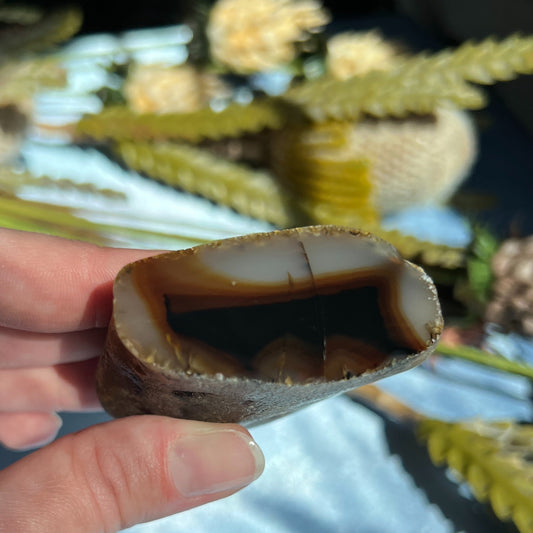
{"x":122,"y":124}
{"x":12,"y":182}
{"x":419,"y":84}
{"x":423,"y":252}
{"x":62,"y":221}
{"x":494,"y":458}
{"x":259,"y":195}
{"x":196,"y":171}
{"x":48,"y":30}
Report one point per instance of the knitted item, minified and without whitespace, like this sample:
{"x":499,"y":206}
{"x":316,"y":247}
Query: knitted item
{"x":409,"y":162}
{"x":254,"y":36}
{"x":511,"y":306}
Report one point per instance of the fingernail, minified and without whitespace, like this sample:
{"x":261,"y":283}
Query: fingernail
{"x":214,"y":461}
{"x":45,"y":436}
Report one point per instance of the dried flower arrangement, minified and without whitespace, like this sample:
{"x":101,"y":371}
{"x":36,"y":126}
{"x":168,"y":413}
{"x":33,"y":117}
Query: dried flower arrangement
{"x":363,"y":128}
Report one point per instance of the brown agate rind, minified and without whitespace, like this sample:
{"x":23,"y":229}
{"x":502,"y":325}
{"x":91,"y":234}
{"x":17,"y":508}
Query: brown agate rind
{"x":252,"y":328}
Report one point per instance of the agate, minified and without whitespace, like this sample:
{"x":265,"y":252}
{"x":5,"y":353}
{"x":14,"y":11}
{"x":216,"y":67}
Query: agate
{"x":251,"y":328}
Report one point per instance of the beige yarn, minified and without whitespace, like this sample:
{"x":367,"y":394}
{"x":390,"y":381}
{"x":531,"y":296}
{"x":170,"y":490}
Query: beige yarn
{"x":164,"y":89}
{"x":415,"y":161}
{"x":252,"y":36}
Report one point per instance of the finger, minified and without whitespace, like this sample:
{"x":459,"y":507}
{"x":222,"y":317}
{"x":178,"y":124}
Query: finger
{"x":51,"y":284}
{"x":68,"y":387}
{"x":20,"y":349}
{"x":22,"y":431}
{"x":114,"y":475}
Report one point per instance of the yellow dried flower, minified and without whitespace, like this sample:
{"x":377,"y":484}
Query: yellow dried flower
{"x":254,"y":36}
{"x":356,"y":53}
{"x":164,"y":89}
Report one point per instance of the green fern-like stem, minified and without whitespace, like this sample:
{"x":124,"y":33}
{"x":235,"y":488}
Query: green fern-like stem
{"x":469,"y":353}
{"x":420,"y":84}
{"x":251,"y":193}
{"x":61,"y":221}
{"x":11,"y":182}
{"x":122,"y":124}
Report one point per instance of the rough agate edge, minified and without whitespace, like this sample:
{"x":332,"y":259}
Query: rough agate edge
{"x":252,"y":328}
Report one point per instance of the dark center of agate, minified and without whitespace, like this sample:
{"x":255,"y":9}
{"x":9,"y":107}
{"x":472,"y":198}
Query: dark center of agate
{"x":243,"y":331}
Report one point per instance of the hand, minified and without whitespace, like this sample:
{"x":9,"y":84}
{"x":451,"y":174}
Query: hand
{"x":55,"y":304}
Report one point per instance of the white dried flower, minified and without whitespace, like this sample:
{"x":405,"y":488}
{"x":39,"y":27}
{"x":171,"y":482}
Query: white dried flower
{"x":164,"y":89}
{"x":252,"y":36}
{"x":356,"y":53}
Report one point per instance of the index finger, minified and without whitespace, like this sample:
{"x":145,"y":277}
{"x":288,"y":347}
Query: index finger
{"x":53,"y":285}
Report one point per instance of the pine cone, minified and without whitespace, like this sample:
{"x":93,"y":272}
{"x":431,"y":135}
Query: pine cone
{"x":511,"y":306}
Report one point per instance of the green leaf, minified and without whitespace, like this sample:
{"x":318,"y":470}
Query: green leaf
{"x":479,"y":269}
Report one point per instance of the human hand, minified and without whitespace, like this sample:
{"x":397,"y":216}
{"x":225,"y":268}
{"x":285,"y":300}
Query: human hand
{"x":55,"y":305}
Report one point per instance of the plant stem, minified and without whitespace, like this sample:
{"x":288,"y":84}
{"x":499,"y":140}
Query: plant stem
{"x":485,"y":358}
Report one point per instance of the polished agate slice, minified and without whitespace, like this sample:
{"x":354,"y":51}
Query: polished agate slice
{"x":252,"y":328}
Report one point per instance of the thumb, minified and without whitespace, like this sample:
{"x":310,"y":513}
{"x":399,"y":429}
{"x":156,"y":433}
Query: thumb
{"x":123,"y":472}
